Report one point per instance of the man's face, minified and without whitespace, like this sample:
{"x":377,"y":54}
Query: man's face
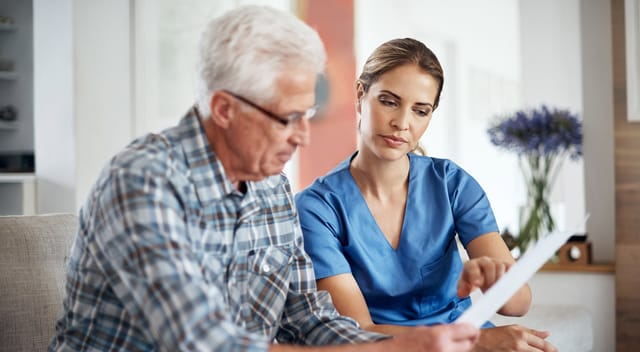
{"x":260,"y":145}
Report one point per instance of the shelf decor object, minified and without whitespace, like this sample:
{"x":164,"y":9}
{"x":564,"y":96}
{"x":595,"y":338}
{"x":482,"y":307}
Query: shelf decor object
{"x":542,"y":138}
{"x":577,"y":251}
{"x":7,"y":24}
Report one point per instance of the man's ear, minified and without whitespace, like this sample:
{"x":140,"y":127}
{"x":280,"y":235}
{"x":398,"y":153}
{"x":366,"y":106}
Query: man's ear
{"x":221,"y":108}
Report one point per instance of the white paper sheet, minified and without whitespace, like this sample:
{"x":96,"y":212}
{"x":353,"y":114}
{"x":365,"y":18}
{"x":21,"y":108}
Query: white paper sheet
{"x":519,"y":273}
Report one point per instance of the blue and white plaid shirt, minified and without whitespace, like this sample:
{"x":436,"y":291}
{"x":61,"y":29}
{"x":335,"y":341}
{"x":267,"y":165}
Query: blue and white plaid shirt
{"x":169,"y":256}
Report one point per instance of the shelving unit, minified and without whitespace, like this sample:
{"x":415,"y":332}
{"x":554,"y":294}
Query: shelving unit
{"x":17,"y":189}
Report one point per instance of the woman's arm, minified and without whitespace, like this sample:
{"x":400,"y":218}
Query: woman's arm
{"x":349,"y":301}
{"x":492,"y":246}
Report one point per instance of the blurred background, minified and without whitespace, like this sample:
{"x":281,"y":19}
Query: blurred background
{"x":91,"y":75}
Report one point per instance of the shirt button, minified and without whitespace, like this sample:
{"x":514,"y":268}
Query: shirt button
{"x":266,"y":268}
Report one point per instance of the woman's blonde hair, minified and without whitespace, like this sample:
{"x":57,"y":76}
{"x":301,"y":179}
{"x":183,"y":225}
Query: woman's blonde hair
{"x":398,"y":52}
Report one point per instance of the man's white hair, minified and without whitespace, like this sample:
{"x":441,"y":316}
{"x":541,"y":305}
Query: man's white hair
{"x":248,"y":48}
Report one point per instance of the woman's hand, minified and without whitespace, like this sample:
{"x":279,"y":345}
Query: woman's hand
{"x":490,"y":259}
{"x":513,"y":338}
{"x":481,"y":272}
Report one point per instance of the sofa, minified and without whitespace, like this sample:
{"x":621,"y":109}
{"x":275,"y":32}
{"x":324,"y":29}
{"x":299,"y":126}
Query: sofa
{"x":33,"y":255}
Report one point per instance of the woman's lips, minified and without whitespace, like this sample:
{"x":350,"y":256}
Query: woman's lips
{"x":394,"y":141}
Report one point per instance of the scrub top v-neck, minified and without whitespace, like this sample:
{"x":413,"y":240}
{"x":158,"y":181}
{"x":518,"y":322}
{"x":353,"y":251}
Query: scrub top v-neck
{"x":414,"y":284}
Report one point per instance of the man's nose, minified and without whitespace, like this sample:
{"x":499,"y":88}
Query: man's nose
{"x":301,"y":134}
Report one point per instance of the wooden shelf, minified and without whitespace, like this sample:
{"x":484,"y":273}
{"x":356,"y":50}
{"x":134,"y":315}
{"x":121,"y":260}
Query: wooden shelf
{"x":8,"y":75}
{"x":579,"y":268}
{"x":17,"y":177}
{"x":8,"y":125}
{"x":8,"y":27}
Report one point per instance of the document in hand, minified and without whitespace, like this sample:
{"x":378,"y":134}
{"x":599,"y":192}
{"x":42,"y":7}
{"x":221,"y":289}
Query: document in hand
{"x":497,"y":295}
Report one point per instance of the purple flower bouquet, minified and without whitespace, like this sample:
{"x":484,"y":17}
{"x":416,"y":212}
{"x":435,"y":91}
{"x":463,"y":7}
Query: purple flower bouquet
{"x":542,"y":138}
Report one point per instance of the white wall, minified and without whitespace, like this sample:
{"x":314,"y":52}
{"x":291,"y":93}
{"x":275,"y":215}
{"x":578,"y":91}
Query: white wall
{"x":551,"y":74}
{"x":599,"y":181}
{"x":54,"y":129}
{"x":83,"y":95}
{"x":165,"y":37}
{"x":103,"y":86}
{"x":595,"y":292}
{"x":597,"y":101}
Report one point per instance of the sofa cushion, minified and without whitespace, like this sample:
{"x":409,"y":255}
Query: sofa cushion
{"x":570,"y":326}
{"x":33,"y":253}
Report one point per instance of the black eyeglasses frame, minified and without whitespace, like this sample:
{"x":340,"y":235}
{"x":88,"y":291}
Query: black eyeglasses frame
{"x":285,"y":121}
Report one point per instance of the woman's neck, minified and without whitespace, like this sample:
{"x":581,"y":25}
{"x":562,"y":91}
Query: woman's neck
{"x":379,"y":178}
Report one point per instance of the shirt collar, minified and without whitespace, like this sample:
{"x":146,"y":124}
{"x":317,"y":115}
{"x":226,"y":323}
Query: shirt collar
{"x":206,"y":170}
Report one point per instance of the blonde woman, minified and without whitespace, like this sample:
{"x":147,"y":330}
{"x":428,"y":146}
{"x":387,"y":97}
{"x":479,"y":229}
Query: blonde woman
{"x":380,"y":228}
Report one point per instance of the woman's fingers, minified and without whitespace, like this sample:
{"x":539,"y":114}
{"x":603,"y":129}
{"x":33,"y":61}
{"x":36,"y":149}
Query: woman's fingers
{"x":513,"y":338}
{"x":480,"y":272}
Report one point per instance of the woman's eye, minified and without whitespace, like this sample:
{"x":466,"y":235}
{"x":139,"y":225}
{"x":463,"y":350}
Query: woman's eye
{"x":386,"y":102}
{"x":422,"y":112}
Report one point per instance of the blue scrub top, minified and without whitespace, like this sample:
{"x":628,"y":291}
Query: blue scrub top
{"x":416,"y":283}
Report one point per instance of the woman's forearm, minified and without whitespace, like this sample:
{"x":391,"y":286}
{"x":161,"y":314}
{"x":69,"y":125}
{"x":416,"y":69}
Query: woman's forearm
{"x":519,"y":304}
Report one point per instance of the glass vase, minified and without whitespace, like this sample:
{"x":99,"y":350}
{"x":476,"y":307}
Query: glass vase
{"x":536,"y":218}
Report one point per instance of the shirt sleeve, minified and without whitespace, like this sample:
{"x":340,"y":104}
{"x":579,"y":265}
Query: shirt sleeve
{"x":140,"y":238}
{"x":322,"y":229}
{"x":471,"y":208}
{"x":310,"y":317}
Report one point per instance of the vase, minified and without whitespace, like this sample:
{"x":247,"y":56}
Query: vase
{"x":536,"y":218}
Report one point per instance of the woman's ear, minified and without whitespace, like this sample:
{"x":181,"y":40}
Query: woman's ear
{"x":221,"y":108}
{"x":359,"y":96}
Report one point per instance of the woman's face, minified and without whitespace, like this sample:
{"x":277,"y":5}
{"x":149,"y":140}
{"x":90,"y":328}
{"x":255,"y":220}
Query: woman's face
{"x":396,"y":111}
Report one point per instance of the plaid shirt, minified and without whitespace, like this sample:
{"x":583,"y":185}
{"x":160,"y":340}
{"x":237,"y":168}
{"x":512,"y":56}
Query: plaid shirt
{"x":169,"y":256}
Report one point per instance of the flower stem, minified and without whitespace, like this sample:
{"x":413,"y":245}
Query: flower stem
{"x":536,"y":218}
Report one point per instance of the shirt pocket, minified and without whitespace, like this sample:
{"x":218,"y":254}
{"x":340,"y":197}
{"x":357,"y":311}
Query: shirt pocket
{"x":440,"y":281}
{"x":269,"y":271}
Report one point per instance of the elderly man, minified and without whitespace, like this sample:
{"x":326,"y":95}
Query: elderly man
{"x":190,"y":240}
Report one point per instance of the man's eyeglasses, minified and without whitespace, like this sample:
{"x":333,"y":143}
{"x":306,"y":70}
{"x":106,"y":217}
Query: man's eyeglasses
{"x":284,"y":120}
